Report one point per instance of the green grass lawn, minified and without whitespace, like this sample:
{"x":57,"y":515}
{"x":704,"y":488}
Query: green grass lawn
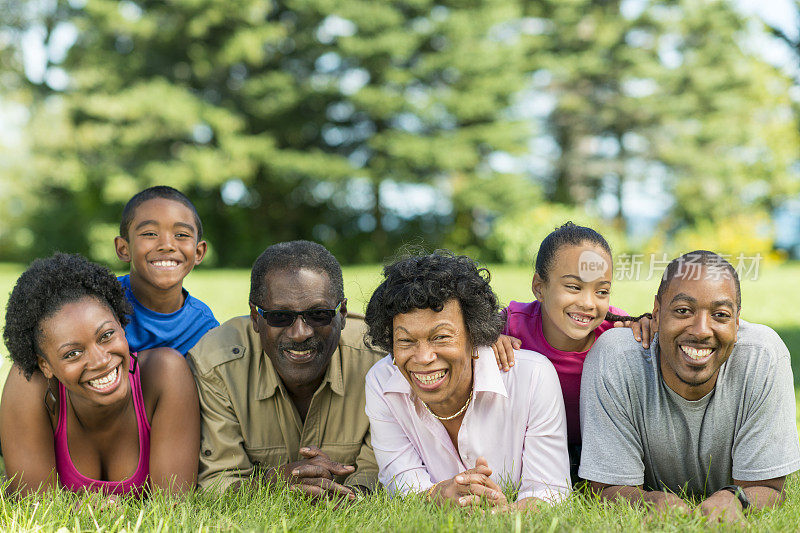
{"x":766,"y":300}
{"x":278,"y":510}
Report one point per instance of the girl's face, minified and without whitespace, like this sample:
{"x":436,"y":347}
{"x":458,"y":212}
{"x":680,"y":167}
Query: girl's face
{"x":83,"y":346}
{"x":575,"y":297}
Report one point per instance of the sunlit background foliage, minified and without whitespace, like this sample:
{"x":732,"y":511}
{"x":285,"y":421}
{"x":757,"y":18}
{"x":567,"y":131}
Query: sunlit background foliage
{"x":476,"y":125}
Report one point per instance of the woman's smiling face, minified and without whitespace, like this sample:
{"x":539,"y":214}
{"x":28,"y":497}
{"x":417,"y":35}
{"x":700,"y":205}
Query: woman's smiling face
{"x":575,"y":296}
{"x":433,"y":351}
{"x":84,"y":347}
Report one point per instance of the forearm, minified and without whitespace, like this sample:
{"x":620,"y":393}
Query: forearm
{"x":175,"y":483}
{"x":223,"y":462}
{"x":762,"y":497}
{"x":393,"y":458}
{"x":758,"y":496}
{"x":27,"y":435}
{"x":402,"y":473}
{"x":437,"y":493}
{"x":174,"y":459}
{"x":614,"y":493}
{"x":724,"y":505}
{"x":529,"y":503}
{"x":28,"y":467}
{"x":23,"y":486}
{"x":639,"y":496}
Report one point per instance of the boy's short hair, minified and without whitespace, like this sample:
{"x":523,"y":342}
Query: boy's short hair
{"x":158,"y":191}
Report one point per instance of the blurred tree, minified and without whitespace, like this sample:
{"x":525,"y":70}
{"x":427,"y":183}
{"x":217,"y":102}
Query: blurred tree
{"x":598,"y":65}
{"x":518,"y":234}
{"x":283,"y":120}
{"x":727,"y":131}
{"x":16,"y":93}
{"x":793,"y":42}
{"x":364,"y":124}
{"x":660,"y":87}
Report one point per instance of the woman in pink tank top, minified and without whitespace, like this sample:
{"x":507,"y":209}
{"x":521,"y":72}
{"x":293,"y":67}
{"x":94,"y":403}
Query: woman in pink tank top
{"x":68,"y":474}
{"x":78,"y":410}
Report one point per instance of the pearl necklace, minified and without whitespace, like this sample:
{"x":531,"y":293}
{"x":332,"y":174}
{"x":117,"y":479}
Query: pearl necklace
{"x":458,"y":413}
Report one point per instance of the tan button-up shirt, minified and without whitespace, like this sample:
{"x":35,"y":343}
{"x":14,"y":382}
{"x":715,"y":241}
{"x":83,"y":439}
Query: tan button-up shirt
{"x":249,"y":421}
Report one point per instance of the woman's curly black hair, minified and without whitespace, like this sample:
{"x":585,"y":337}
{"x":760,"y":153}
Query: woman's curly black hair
{"x":43,"y":289}
{"x":428,"y":282}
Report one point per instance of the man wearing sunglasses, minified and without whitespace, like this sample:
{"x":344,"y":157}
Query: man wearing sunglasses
{"x":282,"y":390}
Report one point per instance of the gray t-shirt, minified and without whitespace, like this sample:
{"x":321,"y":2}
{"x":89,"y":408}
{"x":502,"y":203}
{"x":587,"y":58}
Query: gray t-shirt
{"x":638,"y":431}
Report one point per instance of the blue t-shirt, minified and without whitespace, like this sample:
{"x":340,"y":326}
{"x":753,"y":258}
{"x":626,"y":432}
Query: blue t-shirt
{"x":179,"y":330}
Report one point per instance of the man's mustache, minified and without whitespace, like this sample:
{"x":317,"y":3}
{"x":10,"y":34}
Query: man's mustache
{"x":308,"y":344}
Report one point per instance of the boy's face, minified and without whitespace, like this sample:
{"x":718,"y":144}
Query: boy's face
{"x":162,"y":245}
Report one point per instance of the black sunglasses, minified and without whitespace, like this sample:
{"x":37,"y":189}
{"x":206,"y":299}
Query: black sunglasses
{"x":315,"y":318}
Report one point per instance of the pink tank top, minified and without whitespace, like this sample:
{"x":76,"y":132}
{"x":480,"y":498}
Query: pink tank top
{"x":68,"y":475}
{"x":524,"y":321}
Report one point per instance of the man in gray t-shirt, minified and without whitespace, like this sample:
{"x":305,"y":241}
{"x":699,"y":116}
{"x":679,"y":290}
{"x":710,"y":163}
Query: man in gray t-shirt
{"x":707,"y":412}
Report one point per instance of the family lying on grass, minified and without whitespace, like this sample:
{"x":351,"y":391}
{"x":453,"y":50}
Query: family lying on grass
{"x":689,"y":403}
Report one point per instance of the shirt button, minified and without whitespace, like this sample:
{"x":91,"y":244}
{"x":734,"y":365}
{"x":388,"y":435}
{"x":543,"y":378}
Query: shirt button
{"x":207,"y":453}
{"x":235,"y":350}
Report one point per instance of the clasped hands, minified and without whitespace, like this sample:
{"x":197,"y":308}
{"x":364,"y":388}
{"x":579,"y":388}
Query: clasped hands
{"x":314,"y":476}
{"x":470,"y":488}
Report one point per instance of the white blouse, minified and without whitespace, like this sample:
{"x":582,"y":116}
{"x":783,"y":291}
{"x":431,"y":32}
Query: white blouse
{"x":515,"y":420}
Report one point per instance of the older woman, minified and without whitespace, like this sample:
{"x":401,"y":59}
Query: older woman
{"x":444,"y":419}
{"x":78,"y":409}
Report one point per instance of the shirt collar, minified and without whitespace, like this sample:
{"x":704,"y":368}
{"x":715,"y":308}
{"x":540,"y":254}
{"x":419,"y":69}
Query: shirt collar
{"x":654,"y":348}
{"x":268,"y":379}
{"x":487,"y":373}
{"x":487,"y":376}
{"x":397,"y":382}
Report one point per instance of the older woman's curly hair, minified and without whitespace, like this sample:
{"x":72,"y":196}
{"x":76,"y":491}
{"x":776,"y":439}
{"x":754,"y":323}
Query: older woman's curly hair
{"x":43,"y":289}
{"x":428,"y":282}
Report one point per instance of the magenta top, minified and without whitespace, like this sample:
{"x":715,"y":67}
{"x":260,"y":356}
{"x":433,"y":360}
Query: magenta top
{"x":68,"y":475}
{"x":524,"y":321}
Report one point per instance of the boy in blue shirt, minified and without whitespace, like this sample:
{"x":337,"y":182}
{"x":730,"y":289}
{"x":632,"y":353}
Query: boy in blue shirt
{"x":161,"y":236}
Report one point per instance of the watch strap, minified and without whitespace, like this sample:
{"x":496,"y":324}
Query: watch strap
{"x":738,"y":491}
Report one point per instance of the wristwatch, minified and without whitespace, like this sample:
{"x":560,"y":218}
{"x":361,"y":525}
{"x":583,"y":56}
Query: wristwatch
{"x":738,"y":491}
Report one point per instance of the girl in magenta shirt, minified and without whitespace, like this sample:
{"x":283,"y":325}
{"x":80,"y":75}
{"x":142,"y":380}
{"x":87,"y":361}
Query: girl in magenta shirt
{"x":572,"y":285}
